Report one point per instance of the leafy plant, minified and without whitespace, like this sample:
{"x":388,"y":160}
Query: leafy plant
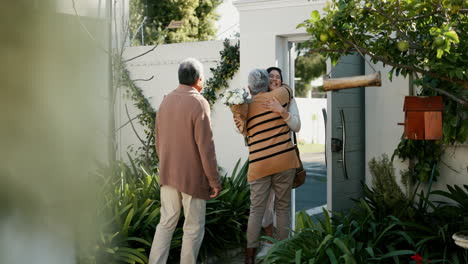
{"x":225,"y":70}
{"x":130,"y":210}
{"x":385,"y":226}
{"x":227,"y":215}
{"x":343,"y":240}
{"x":385,"y":192}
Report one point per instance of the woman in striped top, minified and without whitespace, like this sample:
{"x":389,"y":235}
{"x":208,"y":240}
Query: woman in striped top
{"x":272,"y":159}
{"x":290,"y":115}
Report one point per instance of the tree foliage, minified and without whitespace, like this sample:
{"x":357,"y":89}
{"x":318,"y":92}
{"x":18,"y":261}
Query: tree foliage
{"x":424,"y":38}
{"x":308,"y":67}
{"x":198,"y":17}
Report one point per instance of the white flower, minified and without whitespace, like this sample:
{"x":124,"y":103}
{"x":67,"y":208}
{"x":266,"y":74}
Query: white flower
{"x":234,"y":96}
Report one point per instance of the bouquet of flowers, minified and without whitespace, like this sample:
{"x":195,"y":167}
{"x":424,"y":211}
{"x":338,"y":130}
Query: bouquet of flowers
{"x":237,"y":99}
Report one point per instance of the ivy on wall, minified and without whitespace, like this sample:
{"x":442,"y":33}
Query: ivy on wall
{"x":146,"y":154}
{"x":224,"y":71}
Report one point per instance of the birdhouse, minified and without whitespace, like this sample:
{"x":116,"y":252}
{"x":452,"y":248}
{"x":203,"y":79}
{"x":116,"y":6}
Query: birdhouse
{"x":423,"y":117}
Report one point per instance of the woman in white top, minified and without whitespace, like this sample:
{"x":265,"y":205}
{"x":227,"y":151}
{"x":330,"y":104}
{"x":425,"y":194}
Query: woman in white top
{"x":290,"y":115}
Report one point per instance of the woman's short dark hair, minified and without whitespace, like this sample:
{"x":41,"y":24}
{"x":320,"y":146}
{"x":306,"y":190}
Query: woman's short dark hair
{"x":276,"y":69}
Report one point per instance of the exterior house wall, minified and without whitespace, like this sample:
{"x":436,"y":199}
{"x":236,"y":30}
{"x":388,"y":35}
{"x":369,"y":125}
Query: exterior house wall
{"x":163,"y":63}
{"x":266,"y":27}
{"x":384,"y":109}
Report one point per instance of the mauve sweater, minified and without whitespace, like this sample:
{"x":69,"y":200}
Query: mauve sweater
{"x":184,"y":143}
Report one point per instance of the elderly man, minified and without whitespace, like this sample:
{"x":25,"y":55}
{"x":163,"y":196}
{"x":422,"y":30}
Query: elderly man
{"x":272,"y":160}
{"x":188,"y":168}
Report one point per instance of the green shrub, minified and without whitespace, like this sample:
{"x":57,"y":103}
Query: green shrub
{"x":129,"y":210}
{"x":385,"y":226}
{"x":227,"y":215}
{"x":385,"y":195}
{"x":127,"y":216}
{"x":343,"y":240}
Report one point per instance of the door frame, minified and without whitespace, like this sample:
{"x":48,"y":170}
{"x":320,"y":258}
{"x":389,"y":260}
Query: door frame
{"x":284,"y":61}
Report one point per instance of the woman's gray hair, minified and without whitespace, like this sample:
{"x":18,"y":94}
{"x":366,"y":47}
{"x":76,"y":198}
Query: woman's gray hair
{"x":190,"y":70}
{"x":258,"y":81}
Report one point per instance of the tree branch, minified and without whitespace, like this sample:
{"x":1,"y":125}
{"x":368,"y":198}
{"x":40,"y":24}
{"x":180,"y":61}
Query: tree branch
{"x":143,"y":54}
{"x":394,"y":26}
{"x":448,"y":94}
{"x":328,"y":50}
{"x":133,"y":127}
{"x":122,"y":126}
{"x":464,"y":83}
{"x":456,"y":99}
{"x":144,"y":80}
{"x":86,"y":29}
{"x":407,"y":19}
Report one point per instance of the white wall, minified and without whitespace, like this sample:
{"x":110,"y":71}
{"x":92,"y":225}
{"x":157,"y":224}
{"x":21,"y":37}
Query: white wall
{"x":265,"y":25}
{"x":453,"y":168}
{"x":312,"y":124}
{"x":163,"y":64}
{"x":99,"y":9}
{"x":384,"y":109}
{"x":92,"y":8}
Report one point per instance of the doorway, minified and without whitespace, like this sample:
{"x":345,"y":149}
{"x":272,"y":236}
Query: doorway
{"x":332,"y":136}
{"x":306,"y":70}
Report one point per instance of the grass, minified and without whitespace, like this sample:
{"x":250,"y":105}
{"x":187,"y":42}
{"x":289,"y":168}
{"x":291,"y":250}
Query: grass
{"x":308,"y":148}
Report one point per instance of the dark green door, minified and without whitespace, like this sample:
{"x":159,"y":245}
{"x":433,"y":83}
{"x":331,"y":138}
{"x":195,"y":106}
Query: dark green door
{"x":345,"y":148}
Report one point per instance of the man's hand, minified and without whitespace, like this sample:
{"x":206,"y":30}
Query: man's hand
{"x":215,"y":192}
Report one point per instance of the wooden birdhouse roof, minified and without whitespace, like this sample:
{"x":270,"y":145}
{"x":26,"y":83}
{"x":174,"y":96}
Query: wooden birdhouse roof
{"x":423,"y":103}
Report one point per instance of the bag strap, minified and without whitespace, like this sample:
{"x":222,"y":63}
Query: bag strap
{"x":297,"y":150}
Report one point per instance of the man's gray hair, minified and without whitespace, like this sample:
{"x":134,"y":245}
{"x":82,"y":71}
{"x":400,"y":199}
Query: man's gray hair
{"x":258,"y":81}
{"x":190,"y":70}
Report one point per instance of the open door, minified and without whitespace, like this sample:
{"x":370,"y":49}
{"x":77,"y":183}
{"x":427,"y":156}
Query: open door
{"x":345,"y":139}
{"x":311,"y":196}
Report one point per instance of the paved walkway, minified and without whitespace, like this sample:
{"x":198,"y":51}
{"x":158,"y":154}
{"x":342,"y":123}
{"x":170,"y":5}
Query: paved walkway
{"x":313,"y":193}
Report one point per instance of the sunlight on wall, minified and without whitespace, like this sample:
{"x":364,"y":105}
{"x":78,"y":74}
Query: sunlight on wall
{"x":54,"y":109}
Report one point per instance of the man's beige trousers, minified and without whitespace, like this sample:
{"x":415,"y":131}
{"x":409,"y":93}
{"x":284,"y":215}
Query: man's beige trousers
{"x":194,"y":226}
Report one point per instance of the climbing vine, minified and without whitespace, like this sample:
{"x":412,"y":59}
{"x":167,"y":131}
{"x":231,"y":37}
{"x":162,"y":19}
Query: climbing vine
{"x":145,"y":154}
{"x":224,"y":71}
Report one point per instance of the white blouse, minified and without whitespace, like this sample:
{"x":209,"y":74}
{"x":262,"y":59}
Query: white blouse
{"x":293,"y":121}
